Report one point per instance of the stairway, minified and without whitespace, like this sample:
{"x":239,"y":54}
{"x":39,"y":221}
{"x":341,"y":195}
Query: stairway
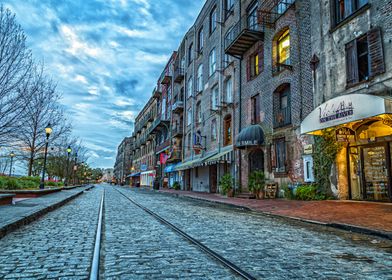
{"x":246,"y":195}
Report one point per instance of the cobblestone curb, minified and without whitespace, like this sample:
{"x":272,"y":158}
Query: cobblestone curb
{"x":341,"y":226}
{"x":31,"y":217}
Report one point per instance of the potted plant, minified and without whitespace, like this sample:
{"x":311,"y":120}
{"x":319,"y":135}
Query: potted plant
{"x":226,"y":185}
{"x":256,"y":183}
{"x":176,"y":186}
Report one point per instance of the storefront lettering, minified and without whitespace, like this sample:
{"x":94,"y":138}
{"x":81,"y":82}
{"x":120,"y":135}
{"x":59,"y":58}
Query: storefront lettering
{"x":331,"y":112}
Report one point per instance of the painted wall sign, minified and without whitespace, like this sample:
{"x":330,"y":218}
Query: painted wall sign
{"x":308,"y":149}
{"x":345,"y":109}
{"x":345,"y":134}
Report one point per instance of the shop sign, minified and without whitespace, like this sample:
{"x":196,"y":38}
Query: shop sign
{"x":344,"y":109}
{"x":345,"y":134}
{"x":143,"y":167}
{"x":308,"y":149}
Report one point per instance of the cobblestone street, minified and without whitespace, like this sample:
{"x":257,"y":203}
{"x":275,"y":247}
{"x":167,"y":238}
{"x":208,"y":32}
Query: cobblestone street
{"x":135,"y":245}
{"x":271,"y":249}
{"x":57,"y":246}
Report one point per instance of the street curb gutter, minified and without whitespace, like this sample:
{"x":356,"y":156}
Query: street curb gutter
{"x":341,"y":226}
{"x":14,"y":225}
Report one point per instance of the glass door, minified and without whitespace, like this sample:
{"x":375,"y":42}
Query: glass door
{"x":375,"y":173}
{"x":355,"y":173}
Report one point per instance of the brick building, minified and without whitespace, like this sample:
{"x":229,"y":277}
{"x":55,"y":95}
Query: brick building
{"x":352,"y":80}
{"x":122,"y":166}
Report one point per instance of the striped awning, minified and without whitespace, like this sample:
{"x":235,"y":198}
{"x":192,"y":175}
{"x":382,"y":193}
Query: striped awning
{"x":225,"y":156}
{"x":187,"y":164}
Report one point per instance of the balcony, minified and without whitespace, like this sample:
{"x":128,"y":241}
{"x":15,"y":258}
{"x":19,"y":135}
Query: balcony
{"x":177,"y":130}
{"x":179,"y":74}
{"x":272,"y":10}
{"x":166,"y":78}
{"x":178,"y":107}
{"x":156,"y":93}
{"x":282,"y":117}
{"x":175,"y":156}
{"x":157,"y":125}
{"x":163,"y":146}
{"x":244,"y":34}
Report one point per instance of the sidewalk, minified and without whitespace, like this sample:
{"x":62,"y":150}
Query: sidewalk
{"x":28,"y":210}
{"x":359,"y":216}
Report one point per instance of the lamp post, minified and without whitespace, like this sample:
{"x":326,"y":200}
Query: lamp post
{"x":48,"y":131}
{"x":69,"y":150}
{"x":12,"y":155}
{"x":75,"y":167}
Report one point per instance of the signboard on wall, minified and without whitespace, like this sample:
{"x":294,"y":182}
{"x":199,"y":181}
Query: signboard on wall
{"x":345,"y":134}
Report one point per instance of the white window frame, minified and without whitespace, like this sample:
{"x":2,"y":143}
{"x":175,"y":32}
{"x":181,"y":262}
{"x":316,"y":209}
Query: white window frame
{"x":212,"y":61}
{"x":229,"y":90}
{"x":199,"y":82}
{"x":190,"y":87}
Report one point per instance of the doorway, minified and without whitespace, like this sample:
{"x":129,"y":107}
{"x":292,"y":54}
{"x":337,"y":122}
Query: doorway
{"x":256,"y":161}
{"x":213,"y":178}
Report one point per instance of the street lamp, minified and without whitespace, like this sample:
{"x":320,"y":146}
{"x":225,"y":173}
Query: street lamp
{"x":75,"y":167}
{"x":12,"y":155}
{"x":48,"y":131}
{"x":69,"y":150}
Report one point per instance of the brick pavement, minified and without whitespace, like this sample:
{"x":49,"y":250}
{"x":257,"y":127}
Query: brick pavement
{"x":370,"y":216}
{"x":28,"y":210}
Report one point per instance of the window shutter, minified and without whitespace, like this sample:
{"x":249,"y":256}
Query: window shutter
{"x":260,"y":55}
{"x":248,"y":69}
{"x":351,"y":63}
{"x":376,"y":54}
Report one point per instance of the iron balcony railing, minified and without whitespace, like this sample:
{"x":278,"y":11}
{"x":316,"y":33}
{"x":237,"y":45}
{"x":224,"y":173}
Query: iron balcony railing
{"x":282,"y":117}
{"x":248,"y":25}
{"x":179,"y":74}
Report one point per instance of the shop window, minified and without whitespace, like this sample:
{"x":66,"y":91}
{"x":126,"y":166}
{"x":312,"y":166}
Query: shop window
{"x":199,"y":82}
{"x":364,"y":57}
{"x":255,"y":101}
{"x":212,"y":62}
{"x":213,"y":20}
{"x":200,"y":40}
{"x":345,"y":8}
{"x":213,"y":130}
{"x":227,"y":133}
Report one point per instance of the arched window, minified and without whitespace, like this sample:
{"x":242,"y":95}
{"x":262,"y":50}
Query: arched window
{"x":198,"y":113}
{"x":282,"y":106}
{"x":190,"y":53}
{"x":212,"y":61}
{"x":213,"y":19}
{"x":227,"y":133}
{"x":190,"y":87}
{"x":200,"y":39}
{"x":199,"y":85}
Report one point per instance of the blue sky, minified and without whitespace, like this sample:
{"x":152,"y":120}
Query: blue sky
{"x":106,"y":56}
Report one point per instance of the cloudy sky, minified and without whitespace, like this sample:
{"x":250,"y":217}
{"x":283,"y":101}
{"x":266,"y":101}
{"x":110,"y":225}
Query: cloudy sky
{"x":106,"y":56}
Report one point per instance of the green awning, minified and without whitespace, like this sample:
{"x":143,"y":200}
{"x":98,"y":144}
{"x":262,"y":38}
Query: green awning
{"x":187,"y":164}
{"x":226,"y":155}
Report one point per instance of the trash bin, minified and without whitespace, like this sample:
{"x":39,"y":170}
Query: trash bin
{"x":155,"y":185}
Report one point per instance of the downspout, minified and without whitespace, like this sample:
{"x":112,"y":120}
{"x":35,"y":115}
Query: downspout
{"x":240,"y":114}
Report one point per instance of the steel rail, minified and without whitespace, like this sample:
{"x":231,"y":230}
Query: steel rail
{"x":94,"y":272}
{"x":215,"y":255}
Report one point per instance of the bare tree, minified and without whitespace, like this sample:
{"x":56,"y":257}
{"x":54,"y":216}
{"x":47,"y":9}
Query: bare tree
{"x":15,"y":73}
{"x":42,"y":109}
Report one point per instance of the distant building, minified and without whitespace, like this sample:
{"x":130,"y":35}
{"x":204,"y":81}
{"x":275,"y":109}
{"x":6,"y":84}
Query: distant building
{"x":122,"y":166}
{"x":108,"y":175}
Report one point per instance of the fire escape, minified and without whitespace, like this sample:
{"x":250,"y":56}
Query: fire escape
{"x":271,"y":10}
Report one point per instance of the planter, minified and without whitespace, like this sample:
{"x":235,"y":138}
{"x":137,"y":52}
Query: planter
{"x":260,"y":194}
{"x":230,"y":193}
{"x":30,"y":193}
{"x":6,"y":199}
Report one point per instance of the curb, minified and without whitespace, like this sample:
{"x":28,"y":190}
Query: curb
{"x":341,"y":226}
{"x":14,"y":225}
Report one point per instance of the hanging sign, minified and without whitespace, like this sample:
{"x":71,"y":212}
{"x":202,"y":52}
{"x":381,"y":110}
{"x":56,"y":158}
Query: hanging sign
{"x":345,"y":134}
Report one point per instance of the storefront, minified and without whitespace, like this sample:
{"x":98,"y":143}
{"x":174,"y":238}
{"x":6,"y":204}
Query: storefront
{"x":363,"y":124}
{"x":147,"y":178}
